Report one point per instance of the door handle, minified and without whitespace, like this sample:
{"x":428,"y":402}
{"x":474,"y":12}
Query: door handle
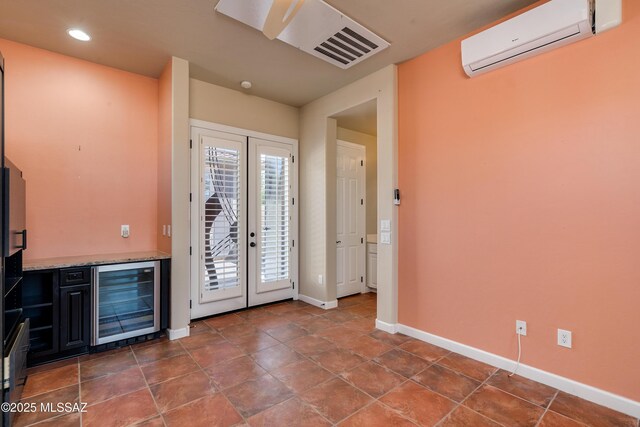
{"x":252,"y":244}
{"x":338,"y":242}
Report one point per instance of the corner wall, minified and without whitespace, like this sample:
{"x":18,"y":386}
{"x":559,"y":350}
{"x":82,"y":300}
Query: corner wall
{"x":521,"y":200}
{"x":318,"y":187}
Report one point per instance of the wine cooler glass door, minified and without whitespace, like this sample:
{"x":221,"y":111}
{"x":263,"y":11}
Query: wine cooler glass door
{"x":126,"y":301}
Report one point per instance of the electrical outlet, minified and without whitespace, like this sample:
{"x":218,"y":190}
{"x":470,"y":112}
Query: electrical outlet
{"x":521,"y":327}
{"x":124,"y":231}
{"x":169,"y":230}
{"x":564,"y":338}
{"x":164,"y":230}
{"x":320,"y":279}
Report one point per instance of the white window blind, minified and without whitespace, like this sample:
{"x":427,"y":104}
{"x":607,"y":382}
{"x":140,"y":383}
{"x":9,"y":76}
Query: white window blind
{"x":274,"y":217}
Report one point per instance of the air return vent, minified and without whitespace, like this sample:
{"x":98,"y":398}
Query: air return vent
{"x":317,"y":29}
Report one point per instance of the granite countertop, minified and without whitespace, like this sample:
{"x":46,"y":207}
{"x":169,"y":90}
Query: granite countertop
{"x":86,"y":260}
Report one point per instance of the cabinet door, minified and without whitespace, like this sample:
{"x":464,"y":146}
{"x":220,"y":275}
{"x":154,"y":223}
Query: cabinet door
{"x":75,"y":316}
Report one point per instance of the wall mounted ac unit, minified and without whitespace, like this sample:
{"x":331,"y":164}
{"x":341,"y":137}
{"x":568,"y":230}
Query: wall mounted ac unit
{"x":551,"y":25}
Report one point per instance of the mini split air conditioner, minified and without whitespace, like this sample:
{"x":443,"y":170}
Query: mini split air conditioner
{"x":551,"y":25}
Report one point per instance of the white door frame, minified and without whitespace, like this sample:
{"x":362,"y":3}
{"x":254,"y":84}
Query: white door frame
{"x":193,"y":124}
{"x":362,"y":252}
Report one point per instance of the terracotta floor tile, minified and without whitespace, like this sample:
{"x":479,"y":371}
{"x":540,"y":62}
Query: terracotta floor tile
{"x":238,"y":330}
{"x":287,"y":332}
{"x":165,"y":369}
{"x":178,"y":391}
{"x":338,"y":360}
{"x":310,"y":345}
{"x":45,"y":381}
{"x":446,"y":382}
{"x":362,"y":325}
{"x":335,"y":399}
{"x":465,"y":417}
{"x":315,"y":324}
{"x":339,"y":316}
{"x":362,"y":310}
{"x":254,"y":313}
{"x":589,"y":413}
{"x":210,"y":411}
{"x":373,"y":379}
{"x":151,"y":422}
{"x":234,"y":371}
{"x":532,"y":391}
{"x":224,"y":321}
{"x":280,"y":308}
{"x":316,"y":311}
{"x":163,"y":350}
{"x":349,"y":301}
{"x":339,"y":334}
{"x":62,"y":395}
{"x":403,"y":363}
{"x":417,"y":403}
{"x":101,"y":354}
{"x":293,"y":412}
{"x":254,"y":342}
{"x":275,"y":357}
{"x":302,"y":375}
{"x":367,"y":347}
{"x":53,"y":365}
{"x":390,"y":339}
{"x":69,"y":420}
{"x":194,"y":342}
{"x":503,"y":407}
{"x":269,"y":322}
{"x":216,"y":353}
{"x":103,"y":388}
{"x":376,"y":415}
{"x":466,"y":366}
{"x":121,"y":411}
{"x":198,"y":327}
{"x":425,"y":350}
{"x":552,"y":419}
{"x":256,"y":395}
{"x":111,"y":364}
{"x":296,"y":315}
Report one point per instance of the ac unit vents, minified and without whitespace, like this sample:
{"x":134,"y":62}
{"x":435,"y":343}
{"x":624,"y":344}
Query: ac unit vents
{"x":317,"y":29}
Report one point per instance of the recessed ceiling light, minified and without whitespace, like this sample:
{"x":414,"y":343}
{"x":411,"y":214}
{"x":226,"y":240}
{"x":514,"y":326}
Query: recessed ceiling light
{"x":246,"y":84}
{"x":79,"y":34}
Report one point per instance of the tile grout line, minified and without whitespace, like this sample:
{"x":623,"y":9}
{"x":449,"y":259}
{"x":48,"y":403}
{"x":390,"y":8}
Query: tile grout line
{"x":148,"y":388}
{"x":547,"y":408}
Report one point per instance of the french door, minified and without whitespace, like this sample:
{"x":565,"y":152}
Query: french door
{"x":243,"y":221}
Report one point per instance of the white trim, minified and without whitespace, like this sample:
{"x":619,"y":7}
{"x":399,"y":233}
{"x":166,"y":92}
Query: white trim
{"x":175,"y":334}
{"x":239,"y":131}
{"x":327,"y":305}
{"x":596,"y":395}
{"x":391,"y":328}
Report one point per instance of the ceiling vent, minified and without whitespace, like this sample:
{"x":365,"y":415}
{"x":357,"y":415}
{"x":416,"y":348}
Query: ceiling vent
{"x":317,"y":28}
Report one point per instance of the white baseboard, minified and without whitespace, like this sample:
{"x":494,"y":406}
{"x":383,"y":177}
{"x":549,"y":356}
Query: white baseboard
{"x":175,"y":334}
{"x":587,"y":392}
{"x":322,"y":304}
{"x":391,"y":328}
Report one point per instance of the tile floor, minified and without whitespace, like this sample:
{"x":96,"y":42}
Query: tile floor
{"x":291,"y":364}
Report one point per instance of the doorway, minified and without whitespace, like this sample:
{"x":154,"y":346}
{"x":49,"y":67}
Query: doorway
{"x":243,"y":219}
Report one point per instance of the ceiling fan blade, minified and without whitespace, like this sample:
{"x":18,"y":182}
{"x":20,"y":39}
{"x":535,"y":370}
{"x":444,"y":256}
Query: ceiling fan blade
{"x":280,"y":15}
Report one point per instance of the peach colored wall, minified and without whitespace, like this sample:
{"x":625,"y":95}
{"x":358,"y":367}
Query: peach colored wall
{"x":164,"y":155}
{"x":521,"y":200}
{"x":85,"y":136}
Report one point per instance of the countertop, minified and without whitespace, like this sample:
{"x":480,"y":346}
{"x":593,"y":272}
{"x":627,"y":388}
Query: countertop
{"x":85,"y":260}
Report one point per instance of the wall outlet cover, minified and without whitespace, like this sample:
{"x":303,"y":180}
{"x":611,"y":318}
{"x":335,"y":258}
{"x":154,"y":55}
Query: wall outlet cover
{"x":124,"y":231}
{"x":564,"y":338}
{"x":521,"y":327}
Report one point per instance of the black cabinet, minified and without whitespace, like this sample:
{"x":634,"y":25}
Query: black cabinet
{"x":75,"y":316}
{"x":40,"y":305}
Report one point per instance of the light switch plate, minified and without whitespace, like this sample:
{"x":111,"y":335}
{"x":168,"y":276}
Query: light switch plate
{"x":385,"y":225}
{"x":385,"y":238}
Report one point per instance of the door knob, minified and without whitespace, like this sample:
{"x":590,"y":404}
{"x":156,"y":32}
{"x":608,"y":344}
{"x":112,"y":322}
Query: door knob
{"x":252,"y":244}
{"x":338,"y":242}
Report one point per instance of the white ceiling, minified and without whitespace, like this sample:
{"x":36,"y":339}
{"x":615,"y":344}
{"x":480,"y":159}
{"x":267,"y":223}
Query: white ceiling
{"x":141,"y":35}
{"x":361,"y":118}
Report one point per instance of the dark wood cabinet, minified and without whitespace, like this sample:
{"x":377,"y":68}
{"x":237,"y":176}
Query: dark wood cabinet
{"x":75,"y":316}
{"x":40,"y":305}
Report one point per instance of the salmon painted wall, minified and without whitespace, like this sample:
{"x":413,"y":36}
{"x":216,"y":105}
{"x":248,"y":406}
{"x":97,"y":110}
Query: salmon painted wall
{"x":165,"y":117}
{"x":521,"y":200}
{"x":85,"y":136}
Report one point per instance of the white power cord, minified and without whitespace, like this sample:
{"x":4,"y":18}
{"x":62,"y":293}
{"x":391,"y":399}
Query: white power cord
{"x":519,"y":354}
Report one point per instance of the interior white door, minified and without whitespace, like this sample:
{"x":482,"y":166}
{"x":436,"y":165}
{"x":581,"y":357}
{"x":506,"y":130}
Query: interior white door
{"x":271,"y":221}
{"x":218,"y":218}
{"x":350,"y":219}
